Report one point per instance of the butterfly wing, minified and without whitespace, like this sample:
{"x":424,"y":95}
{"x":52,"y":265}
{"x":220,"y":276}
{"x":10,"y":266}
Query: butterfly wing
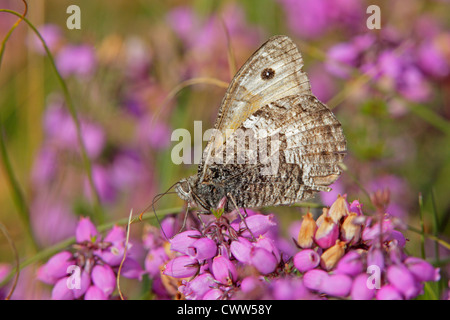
{"x":274,"y":71}
{"x":304,"y":144}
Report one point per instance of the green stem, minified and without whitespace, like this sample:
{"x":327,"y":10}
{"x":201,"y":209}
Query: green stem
{"x":98,"y":211}
{"x":430,"y":236}
{"x":46,"y":253}
{"x":17,"y":194}
{"x":422,"y":226}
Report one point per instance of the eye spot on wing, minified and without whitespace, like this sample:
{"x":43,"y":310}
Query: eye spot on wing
{"x":267,"y":74}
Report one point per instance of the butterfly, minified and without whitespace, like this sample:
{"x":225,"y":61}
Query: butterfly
{"x":269,"y":101}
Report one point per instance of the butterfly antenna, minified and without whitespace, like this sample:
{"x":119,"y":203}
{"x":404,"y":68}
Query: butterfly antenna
{"x":152,"y":205}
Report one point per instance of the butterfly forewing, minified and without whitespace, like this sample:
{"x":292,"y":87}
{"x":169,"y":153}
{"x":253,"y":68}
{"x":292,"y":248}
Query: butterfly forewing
{"x":274,"y":71}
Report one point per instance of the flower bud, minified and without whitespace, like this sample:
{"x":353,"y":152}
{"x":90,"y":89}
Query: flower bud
{"x":182,"y":241}
{"x":95,"y":293}
{"x":269,"y":245}
{"x":56,"y":267}
{"x":61,"y":291}
{"x":356,"y":207}
{"x":181,"y":267}
{"x":388,"y":292}
{"x":224,"y":270}
{"x":202,"y":249}
{"x":313,"y":279}
{"x":154,"y":260}
{"x":258,"y":224}
{"x":339,"y":209}
{"x":240,"y":249}
{"x":198,"y":287}
{"x":104,"y":278}
{"x":350,"y":232}
{"x":308,"y":228}
{"x":86,"y":231}
{"x":131,"y":269}
{"x":306,"y":260}
{"x":403,"y":280}
{"x":351,"y":264}
{"x":263,"y":260}
{"x":327,"y":233}
{"x":360,"y":290}
{"x":331,"y":256}
{"x":250,"y":283}
{"x":85,"y":282}
{"x":337,"y":285}
{"x":213,"y":294}
{"x":422,"y":270}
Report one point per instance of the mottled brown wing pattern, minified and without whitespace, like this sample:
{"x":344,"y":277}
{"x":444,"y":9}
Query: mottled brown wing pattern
{"x":273,"y":72}
{"x":311,"y":145}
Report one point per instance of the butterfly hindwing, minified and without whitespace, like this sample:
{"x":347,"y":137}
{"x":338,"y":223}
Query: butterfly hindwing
{"x":299,"y":144}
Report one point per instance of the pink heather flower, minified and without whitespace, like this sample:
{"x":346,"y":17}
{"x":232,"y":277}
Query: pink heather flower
{"x":388,"y":292}
{"x":240,"y":249}
{"x":61,"y":131}
{"x":313,"y":279}
{"x":95,"y":293}
{"x":181,"y":267}
{"x":114,"y":253}
{"x":250,"y":283}
{"x":422,"y":270}
{"x":350,"y":264}
{"x":213,"y":294}
{"x":44,"y":166}
{"x":86,"y":231}
{"x":337,"y":285}
{"x":56,"y":267}
{"x":76,"y":60}
{"x":182,"y":241}
{"x":289,"y":289}
{"x":202,"y":249}
{"x":52,"y":219}
{"x":52,"y":36}
{"x":61,"y":291}
{"x":131,"y":269}
{"x":258,"y":224}
{"x":224,"y":270}
{"x":263,"y":260}
{"x":103,"y":184}
{"x":269,"y":245}
{"x":154,"y":260}
{"x":356,"y":207}
{"x":360,"y":290}
{"x":306,"y":260}
{"x":198,"y":287}
{"x":328,"y":198}
{"x":104,"y":278}
{"x":85,"y":282}
{"x":327,"y":233}
{"x":324,"y":88}
{"x":402,"y":279}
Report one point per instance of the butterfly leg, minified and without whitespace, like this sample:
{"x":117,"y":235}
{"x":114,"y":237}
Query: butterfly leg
{"x":240,"y":215}
{"x":185,"y":218}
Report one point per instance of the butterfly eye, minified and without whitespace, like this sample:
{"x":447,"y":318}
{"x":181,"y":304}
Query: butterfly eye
{"x":267,"y":74}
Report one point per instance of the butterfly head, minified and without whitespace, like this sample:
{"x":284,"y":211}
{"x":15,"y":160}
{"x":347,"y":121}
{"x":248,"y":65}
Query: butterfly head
{"x":184,"y":190}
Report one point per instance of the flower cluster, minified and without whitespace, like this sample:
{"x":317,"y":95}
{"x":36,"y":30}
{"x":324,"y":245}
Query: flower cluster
{"x":89,"y":270}
{"x":343,"y":253}
{"x":397,"y":63}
